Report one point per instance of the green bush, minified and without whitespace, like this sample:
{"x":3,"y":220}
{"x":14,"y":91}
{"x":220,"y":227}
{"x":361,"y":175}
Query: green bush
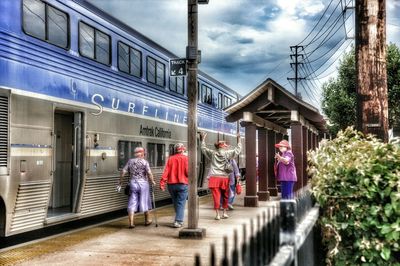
{"x":356,"y":181}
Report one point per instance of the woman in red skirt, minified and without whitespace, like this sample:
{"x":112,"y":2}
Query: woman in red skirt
{"x":218,"y":182}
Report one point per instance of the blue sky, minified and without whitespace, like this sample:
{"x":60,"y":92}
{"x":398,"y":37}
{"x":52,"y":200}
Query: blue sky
{"x":245,"y":41}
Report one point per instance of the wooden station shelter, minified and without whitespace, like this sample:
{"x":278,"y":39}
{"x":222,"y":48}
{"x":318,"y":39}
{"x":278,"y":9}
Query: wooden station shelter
{"x":267,"y":113}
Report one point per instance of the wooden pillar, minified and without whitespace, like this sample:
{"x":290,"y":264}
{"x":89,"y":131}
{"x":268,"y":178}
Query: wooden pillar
{"x":263,"y":194}
{"x":297,"y":149}
{"x":272,"y":188}
{"x":251,"y":198}
{"x":306,"y":133}
{"x":309,"y":141}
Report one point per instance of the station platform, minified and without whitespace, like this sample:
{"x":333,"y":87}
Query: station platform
{"x":113,"y":243}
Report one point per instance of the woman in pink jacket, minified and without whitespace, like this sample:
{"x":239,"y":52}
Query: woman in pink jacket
{"x":286,"y":170}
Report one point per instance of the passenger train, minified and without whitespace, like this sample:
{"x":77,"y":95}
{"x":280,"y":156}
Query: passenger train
{"x":79,"y":90}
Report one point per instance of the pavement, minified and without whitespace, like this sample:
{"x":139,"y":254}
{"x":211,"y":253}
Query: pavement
{"x":112,"y":243}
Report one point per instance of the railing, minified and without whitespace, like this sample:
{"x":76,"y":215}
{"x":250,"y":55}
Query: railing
{"x":260,"y":243}
{"x":282,"y":235}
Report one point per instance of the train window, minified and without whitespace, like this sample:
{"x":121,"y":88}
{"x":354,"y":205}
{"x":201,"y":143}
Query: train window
{"x":220,"y":103}
{"x":155,"y":72}
{"x":156,"y":154}
{"x":129,"y":60}
{"x":126,"y":151}
{"x":171,"y":149}
{"x":94,"y":44}
{"x":136,"y":62}
{"x":198,"y":91}
{"x":45,"y":22}
{"x":57,"y":27}
{"x":123,"y":57}
{"x":206,"y":94}
{"x":227,"y":101}
{"x":102,"y":48}
{"x":176,"y":84}
{"x":86,"y":40}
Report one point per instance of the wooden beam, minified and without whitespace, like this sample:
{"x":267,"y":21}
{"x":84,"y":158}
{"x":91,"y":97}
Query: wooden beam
{"x":260,"y":122}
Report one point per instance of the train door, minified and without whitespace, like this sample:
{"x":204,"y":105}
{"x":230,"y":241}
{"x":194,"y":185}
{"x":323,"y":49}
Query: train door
{"x":67,"y":163}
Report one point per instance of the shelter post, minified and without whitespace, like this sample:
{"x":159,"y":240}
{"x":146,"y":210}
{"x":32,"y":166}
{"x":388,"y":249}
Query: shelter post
{"x":251,"y":198}
{"x":263,"y":194}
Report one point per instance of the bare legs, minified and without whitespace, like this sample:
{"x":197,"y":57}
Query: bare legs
{"x":131,"y":217}
{"x":147,"y":220}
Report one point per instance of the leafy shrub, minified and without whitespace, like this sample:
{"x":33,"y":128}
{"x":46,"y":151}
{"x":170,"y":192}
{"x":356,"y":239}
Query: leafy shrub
{"x":356,"y":181}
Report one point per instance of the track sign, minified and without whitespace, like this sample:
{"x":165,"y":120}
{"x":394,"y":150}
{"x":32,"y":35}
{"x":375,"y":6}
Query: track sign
{"x":177,"y":67}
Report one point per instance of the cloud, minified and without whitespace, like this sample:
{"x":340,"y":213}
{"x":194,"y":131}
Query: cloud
{"x":242,"y":41}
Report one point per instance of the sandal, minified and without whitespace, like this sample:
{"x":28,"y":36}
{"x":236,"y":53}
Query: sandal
{"x":147,"y":223}
{"x":131,"y":226}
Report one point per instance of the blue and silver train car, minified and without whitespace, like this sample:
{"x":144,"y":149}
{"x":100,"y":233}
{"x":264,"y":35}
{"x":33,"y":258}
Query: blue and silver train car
{"x":78,"y":91}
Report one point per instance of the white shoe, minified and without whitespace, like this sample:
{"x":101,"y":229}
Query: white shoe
{"x":217,"y":217}
{"x":225,"y":216}
{"x":177,"y":224}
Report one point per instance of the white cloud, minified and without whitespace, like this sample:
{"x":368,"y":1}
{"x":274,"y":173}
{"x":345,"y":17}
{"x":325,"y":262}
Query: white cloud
{"x":241,"y":40}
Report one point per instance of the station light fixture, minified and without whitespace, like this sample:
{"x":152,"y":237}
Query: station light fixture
{"x":202,"y":2}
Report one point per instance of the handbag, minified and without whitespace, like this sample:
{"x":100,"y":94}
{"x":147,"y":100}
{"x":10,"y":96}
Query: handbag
{"x":228,"y":168}
{"x":127,"y":190}
{"x":238,"y":189}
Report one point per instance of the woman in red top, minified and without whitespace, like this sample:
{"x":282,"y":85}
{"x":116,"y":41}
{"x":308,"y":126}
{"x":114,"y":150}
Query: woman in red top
{"x":176,"y":176}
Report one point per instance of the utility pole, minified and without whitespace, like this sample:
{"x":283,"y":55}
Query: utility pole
{"x":296,"y":64}
{"x":192,"y":59}
{"x":372,"y":95}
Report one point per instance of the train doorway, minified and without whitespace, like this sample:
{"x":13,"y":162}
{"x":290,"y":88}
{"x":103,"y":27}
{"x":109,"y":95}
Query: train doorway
{"x":67,"y":158}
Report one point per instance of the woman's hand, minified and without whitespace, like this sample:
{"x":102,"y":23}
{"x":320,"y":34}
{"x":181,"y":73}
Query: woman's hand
{"x":203,"y":135}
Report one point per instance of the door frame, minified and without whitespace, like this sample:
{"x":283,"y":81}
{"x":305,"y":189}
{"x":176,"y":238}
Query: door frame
{"x":76,"y":206}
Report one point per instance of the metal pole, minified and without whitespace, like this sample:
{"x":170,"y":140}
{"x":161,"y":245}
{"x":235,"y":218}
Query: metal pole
{"x":192,"y":114}
{"x":372,"y":95}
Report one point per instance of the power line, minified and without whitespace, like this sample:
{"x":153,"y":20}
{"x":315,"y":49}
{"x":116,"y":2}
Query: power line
{"x":326,"y":9}
{"x":342,"y":41}
{"x":312,"y":40}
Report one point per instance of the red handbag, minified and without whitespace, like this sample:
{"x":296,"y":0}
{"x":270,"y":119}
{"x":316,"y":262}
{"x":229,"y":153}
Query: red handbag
{"x":238,"y":189}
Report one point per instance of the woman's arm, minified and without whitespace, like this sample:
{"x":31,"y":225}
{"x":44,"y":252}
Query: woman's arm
{"x":206,"y":151}
{"x":123,"y":172}
{"x":151,"y":177}
{"x":149,"y":173}
{"x":165,"y":175}
{"x":284,"y":159}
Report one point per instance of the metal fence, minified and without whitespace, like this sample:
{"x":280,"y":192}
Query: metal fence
{"x":272,"y":238}
{"x":260,"y":243}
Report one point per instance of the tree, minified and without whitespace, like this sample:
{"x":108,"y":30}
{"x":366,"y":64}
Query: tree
{"x":339,"y":94}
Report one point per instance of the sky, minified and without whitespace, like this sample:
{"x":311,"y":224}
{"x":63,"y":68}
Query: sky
{"x":243,"y":42}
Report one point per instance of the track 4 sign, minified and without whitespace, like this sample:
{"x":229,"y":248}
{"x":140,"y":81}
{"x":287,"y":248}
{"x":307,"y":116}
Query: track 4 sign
{"x":177,"y":67}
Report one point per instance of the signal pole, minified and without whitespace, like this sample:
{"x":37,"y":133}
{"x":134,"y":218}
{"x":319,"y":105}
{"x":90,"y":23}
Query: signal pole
{"x":296,"y":64}
{"x":372,"y":95}
{"x":192,"y":231}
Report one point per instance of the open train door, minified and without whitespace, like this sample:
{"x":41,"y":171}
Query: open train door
{"x":67,"y":169}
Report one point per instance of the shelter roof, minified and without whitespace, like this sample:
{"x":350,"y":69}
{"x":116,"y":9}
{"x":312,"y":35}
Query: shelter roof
{"x":271,"y":106}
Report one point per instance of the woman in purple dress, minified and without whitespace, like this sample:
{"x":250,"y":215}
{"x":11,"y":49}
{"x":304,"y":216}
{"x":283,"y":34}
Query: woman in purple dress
{"x":286,"y":170}
{"x":139,"y":197}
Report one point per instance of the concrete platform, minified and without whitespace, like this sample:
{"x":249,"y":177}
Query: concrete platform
{"x":113,"y":243}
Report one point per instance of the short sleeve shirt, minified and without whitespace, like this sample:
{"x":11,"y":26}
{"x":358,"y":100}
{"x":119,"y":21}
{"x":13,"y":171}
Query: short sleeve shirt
{"x":137,"y":168}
